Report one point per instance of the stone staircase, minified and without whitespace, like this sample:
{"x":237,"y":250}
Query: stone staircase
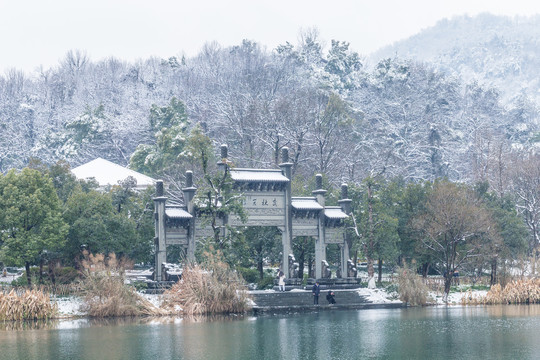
{"x":302,"y":300}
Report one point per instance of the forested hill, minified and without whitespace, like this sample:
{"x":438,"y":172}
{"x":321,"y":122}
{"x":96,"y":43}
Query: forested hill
{"x":338,"y":117}
{"x":495,"y":50}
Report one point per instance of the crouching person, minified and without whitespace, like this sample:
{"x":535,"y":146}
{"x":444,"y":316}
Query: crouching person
{"x":330,"y":297}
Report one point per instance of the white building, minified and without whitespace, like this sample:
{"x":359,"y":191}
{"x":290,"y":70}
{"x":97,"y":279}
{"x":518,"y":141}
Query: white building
{"x":107,"y":173}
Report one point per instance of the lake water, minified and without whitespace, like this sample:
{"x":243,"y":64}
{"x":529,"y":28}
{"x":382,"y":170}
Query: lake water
{"x":493,"y":332}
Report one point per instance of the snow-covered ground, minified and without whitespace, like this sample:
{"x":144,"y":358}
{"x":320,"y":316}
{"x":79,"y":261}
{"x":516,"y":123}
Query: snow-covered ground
{"x":379,"y":296}
{"x":68,"y":305}
{"x":71,"y":305}
{"x":455,"y":298}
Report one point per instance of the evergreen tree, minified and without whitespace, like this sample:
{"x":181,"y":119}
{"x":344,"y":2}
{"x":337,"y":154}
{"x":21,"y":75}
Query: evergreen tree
{"x":31,"y":221}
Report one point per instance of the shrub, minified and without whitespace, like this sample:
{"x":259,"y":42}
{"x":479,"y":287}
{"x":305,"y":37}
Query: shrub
{"x":30,"y":305}
{"x":411,"y":288}
{"x":249,"y":275}
{"x":20,"y":281}
{"x":267,"y":282}
{"x":106,"y":294}
{"x":66,"y":275}
{"x":140,"y":285}
{"x":392,"y":288}
{"x":209,"y":288}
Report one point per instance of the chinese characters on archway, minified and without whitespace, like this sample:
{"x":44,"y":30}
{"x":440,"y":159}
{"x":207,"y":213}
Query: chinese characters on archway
{"x":262,"y":201}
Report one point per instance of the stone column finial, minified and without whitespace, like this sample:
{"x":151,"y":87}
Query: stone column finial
{"x":344,"y":191}
{"x":159,"y":188}
{"x":318,"y":181}
{"x":284,"y":154}
{"x":224,"y":151}
{"x":189,"y":178}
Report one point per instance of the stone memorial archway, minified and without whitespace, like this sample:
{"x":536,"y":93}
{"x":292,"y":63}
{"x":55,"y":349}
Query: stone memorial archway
{"x":268,"y":201}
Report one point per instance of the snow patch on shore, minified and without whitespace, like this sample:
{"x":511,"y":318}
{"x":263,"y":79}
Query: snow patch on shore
{"x":379,"y":296}
{"x":69,"y":305}
{"x":454,"y":298}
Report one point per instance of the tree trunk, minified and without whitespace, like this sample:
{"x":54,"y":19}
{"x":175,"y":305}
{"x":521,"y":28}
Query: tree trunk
{"x":425,"y":269}
{"x":380,"y":271}
{"x":493,"y":277}
{"x":258,"y":248}
{"x":28,"y":275}
{"x":260,"y":267}
{"x":310,"y":265}
{"x":447,"y":283}
{"x":301,"y":258}
{"x":51,"y":272}
{"x":533,"y":264}
{"x":371,"y":234}
{"x":41,"y":271}
{"x":370,"y":268}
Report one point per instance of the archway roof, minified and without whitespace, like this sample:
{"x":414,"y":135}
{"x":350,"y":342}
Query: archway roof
{"x":334,"y":212}
{"x":305,"y":203}
{"x":256,"y":175}
{"x":177,"y":213}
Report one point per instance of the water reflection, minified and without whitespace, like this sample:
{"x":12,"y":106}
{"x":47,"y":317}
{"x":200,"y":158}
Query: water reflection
{"x":414,"y":333}
{"x":75,"y":323}
{"x":28,"y":325}
{"x":514,"y":310}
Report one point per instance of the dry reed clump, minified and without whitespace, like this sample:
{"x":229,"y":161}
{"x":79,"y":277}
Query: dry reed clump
{"x":411,"y":288}
{"x":106,"y":294}
{"x":29,"y":305}
{"x":211,"y":288}
{"x":515,"y":292}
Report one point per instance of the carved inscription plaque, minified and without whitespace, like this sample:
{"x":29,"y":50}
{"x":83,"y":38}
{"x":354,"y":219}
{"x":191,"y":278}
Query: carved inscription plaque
{"x":305,"y":227}
{"x":176,"y":236}
{"x":263,"y":209}
{"x":334,"y":236}
{"x":263,"y":200}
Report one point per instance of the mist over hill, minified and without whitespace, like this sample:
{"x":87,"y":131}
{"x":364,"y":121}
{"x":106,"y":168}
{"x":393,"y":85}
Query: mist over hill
{"x":494,"y":50}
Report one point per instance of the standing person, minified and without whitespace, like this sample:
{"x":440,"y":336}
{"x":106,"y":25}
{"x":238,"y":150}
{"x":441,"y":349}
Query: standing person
{"x":281,"y":281}
{"x":316,"y":290}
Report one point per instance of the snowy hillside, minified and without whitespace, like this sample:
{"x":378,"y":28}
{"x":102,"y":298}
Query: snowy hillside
{"x":494,"y":50}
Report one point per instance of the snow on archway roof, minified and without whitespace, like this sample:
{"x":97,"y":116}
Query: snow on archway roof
{"x":108,"y":173}
{"x":258,"y":175}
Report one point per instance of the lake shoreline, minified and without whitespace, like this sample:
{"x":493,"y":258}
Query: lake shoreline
{"x":69,"y":307}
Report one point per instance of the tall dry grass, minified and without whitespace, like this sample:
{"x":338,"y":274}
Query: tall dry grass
{"x":515,"y":292}
{"x":29,"y":305}
{"x":411,"y":288}
{"x":210,"y":288}
{"x":106,"y":295}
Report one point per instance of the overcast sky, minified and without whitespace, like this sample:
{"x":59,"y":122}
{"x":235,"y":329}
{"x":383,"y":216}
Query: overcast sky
{"x":40,"y":32}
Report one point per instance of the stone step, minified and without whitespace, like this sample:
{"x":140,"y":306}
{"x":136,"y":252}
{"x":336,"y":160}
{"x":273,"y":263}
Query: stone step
{"x":305,"y":298}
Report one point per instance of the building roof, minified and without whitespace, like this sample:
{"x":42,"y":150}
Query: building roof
{"x":334,"y":212}
{"x":177,"y":213}
{"x":108,"y":173}
{"x":256,"y":175}
{"x":305,"y":203}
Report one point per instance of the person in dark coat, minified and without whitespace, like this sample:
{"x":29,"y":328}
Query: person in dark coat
{"x":330,"y":297}
{"x":316,"y":290}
